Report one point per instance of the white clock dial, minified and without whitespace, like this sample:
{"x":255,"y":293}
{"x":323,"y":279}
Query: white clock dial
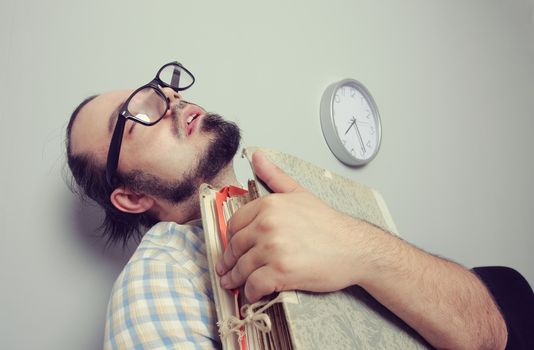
{"x":350,"y":122}
{"x":355,"y":123}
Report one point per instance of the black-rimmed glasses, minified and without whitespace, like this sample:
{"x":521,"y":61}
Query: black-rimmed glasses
{"x":146,"y":106}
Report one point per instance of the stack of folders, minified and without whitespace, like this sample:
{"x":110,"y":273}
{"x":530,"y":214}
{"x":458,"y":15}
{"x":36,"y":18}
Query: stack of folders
{"x":346,"y":319}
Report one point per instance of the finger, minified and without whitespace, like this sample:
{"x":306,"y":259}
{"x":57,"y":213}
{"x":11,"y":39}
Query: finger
{"x":260,"y":283}
{"x":238,"y":245}
{"x":273,"y":176}
{"x":246,"y":265}
{"x":242,"y":218}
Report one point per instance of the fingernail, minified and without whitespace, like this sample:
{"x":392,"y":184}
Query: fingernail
{"x":224,"y":281}
{"x":219,"y":268}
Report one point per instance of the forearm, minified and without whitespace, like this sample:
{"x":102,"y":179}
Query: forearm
{"x":441,"y":300}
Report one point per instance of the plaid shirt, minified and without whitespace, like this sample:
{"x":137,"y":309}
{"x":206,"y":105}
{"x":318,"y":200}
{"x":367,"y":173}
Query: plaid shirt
{"x":163,"y":299}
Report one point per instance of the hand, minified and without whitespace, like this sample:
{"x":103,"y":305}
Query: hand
{"x":289,"y":240}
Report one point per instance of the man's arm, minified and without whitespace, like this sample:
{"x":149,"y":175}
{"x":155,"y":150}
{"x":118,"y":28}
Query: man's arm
{"x":291,"y":240}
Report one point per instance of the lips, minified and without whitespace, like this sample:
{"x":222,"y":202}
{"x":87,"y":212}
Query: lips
{"x":191,"y":117}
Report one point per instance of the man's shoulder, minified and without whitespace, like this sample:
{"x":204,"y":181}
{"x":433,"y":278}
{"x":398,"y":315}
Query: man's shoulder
{"x":172,"y":243}
{"x":168,"y":250}
{"x":166,"y":279}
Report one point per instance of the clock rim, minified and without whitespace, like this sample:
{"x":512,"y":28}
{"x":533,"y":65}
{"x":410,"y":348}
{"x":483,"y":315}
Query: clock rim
{"x":330,"y":133}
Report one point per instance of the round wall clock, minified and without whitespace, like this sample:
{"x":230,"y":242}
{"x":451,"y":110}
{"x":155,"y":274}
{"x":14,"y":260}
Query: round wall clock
{"x":350,"y":122}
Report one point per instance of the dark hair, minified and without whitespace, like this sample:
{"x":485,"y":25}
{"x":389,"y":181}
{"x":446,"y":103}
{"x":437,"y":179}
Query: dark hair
{"x":90,"y":177}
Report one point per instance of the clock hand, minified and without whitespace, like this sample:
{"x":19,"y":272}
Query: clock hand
{"x":351,"y":124}
{"x":359,"y":136}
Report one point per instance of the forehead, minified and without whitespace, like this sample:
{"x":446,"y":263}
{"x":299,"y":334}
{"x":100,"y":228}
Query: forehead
{"x":92,"y":129}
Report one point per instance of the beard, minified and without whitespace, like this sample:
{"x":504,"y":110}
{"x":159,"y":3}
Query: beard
{"x":221,"y":149}
{"x":224,"y":143}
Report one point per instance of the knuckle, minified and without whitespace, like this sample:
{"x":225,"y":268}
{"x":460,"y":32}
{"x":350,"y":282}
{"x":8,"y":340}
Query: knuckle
{"x":250,"y":291}
{"x":235,"y":274}
{"x":254,"y":286}
{"x":280,"y":277}
{"x":228,"y":258}
{"x":229,"y":229}
{"x":233,"y":249}
{"x":280,"y":287}
{"x":275,"y":244}
{"x":283,"y":266}
{"x":266,"y":223}
{"x":271,"y":200}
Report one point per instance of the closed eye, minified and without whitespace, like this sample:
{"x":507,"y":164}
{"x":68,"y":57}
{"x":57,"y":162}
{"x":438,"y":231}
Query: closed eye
{"x":130,"y":129}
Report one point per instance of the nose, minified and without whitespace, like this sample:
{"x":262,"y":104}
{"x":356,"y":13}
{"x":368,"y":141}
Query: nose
{"x":171,"y":95}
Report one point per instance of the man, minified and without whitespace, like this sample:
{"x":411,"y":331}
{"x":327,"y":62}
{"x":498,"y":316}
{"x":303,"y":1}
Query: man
{"x":142,"y":155}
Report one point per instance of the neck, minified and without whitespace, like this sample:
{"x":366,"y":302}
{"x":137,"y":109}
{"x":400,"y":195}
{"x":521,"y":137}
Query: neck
{"x":226,"y":177}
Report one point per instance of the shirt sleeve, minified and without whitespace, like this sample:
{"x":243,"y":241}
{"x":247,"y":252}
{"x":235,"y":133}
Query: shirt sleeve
{"x":155,"y":305}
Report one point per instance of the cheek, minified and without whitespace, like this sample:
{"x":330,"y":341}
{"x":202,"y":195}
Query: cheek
{"x":165,"y":158}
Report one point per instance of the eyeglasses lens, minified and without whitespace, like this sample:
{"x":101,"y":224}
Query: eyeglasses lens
{"x":147,"y":105}
{"x":176,"y":77}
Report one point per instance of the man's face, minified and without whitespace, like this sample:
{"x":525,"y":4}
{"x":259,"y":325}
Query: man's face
{"x":169,"y":159}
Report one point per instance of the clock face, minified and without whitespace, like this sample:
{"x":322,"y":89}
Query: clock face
{"x":355,"y":122}
{"x":350,"y":122}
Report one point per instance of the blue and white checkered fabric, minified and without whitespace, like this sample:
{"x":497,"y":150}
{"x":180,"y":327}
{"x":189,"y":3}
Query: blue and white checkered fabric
{"x":163,"y":298}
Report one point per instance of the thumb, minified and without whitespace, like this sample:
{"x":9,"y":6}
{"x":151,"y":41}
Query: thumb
{"x":273,"y":176}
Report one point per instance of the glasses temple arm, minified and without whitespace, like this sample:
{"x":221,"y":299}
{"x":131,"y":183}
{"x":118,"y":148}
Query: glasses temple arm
{"x":175,"y":80}
{"x":113,"y":156}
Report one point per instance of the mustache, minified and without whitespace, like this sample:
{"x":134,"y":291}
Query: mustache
{"x":211,"y":121}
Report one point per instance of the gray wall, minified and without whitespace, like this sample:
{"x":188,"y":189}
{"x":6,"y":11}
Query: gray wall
{"x":453,"y":81}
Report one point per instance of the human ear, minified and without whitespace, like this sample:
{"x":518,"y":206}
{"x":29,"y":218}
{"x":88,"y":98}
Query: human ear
{"x":130,"y":202}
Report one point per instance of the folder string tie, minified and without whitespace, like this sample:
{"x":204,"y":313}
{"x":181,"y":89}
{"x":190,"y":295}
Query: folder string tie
{"x":252,"y":314}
